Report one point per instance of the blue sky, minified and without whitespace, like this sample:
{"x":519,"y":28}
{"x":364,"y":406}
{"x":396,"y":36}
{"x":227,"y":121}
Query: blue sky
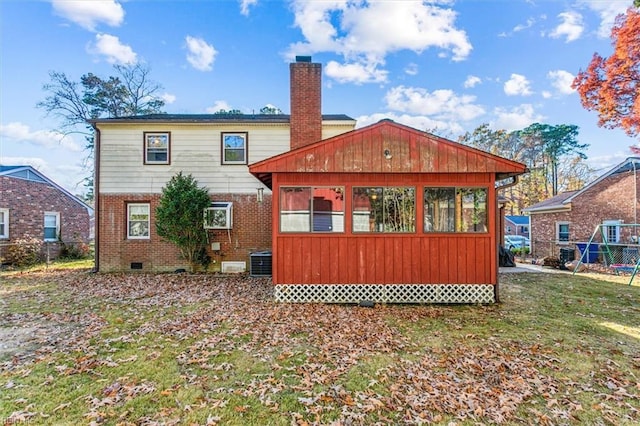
{"x":443,"y":65}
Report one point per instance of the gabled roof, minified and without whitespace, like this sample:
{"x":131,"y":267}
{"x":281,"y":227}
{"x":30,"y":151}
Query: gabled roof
{"x":386,"y":147}
{"x":518,"y":220}
{"x":563,"y":201}
{"x":558,"y":202}
{"x":32,"y":175}
{"x":214,"y":118}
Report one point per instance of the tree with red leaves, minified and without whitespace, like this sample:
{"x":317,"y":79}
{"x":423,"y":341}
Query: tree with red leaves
{"x":611,"y":86}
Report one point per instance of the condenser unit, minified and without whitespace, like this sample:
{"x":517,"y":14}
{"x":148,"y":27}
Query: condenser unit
{"x":260,"y":265}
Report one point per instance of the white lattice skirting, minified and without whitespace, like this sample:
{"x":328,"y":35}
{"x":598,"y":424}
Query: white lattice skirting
{"x":385,"y":293}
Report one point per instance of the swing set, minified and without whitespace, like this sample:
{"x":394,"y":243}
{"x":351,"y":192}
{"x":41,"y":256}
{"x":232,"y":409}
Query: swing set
{"x":616,"y":245}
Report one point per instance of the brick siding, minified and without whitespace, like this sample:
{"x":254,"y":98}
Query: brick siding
{"x":251,"y":232}
{"x":306,"y":113}
{"x":27,"y":202}
{"x":611,"y":199}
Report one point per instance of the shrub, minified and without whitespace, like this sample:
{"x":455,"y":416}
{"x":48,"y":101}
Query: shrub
{"x":24,"y":252}
{"x":74,"y":251}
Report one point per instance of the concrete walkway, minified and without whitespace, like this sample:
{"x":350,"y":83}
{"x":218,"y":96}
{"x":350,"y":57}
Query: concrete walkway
{"x":528,"y":267}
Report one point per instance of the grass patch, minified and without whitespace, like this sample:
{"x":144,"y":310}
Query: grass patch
{"x":190,"y":349}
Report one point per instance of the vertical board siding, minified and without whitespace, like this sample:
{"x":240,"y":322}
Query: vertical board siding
{"x":383,"y":260}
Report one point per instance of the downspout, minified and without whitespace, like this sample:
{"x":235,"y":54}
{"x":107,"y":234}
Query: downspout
{"x":496,"y":293}
{"x":96,"y":195}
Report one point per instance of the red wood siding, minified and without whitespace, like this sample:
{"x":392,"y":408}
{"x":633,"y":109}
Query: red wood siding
{"x":363,"y":151}
{"x":383,"y":259}
{"x":412,"y":258}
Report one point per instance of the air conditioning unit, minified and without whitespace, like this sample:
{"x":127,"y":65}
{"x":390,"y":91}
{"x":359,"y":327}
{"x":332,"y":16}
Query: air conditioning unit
{"x":260,"y":265}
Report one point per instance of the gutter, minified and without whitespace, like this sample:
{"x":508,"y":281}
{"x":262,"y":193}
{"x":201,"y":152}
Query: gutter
{"x":496,"y":292}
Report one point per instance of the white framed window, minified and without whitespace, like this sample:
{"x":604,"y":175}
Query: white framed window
{"x":138,"y":221}
{"x":51,"y":226}
{"x":611,"y":230}
{"x":234,"y":148}
{"x":157,"y":147}
{"x":562,"y":232}
{"x":219,"y":215}
{"x":4,"y":223}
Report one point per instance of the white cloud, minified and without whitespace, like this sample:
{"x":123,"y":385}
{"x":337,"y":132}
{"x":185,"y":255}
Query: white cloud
{"x":515,"y":118}
{"x":445,"y":128}
{"x":441,"y":104}
{"x":364,"y":33}
{"x":42,"y":138}
{"x":411,"y":69}
{"x":571,"y":26}
{"x":607,"y":10}
{"x":113,"y":50}
{"x":88,"y":14}
{"x":522,"y":27}
{"x":561,"y":80}
{"x":355,"y":73}
{"x":472,"y":81}
{"x":200,"y":54}
{"x":168,"y":98}
{"x":218,"y":106}
{"x":517,"y":85}
{"x":245,"y":5}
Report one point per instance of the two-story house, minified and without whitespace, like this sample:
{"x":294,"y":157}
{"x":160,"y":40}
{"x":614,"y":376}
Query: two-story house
{"x":136,"y":156}
{"x":384,"y":213}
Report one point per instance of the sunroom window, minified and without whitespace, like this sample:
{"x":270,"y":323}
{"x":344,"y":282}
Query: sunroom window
{"x":312,"y":209}
{"x":384,"y":209}
{"x":455,"y":209}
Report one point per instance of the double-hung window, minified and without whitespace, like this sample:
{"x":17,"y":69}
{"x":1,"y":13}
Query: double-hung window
{"x":455,"y":209}
{"x":51,"y":226}
{"x":234,"y":148}
{"x":311,"y":209}
{"x":611,"y":230}
{"x":4,"y":223}
{"x":157,"y":147}
{"x":138,"y":221}
{"x":384,"y":209}
{"x":562,"y":231}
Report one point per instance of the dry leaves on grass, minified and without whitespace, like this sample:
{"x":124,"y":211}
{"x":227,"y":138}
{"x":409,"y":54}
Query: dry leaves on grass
{"x":313,"y":350}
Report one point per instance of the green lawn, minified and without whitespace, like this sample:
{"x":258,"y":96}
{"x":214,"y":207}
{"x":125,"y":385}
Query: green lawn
{"x":82,"y":348}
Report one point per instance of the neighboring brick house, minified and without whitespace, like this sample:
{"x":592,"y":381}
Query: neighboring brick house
{"x":137,"y":156}
{"x":31,"y":205}
{"x":569,"y":220}
{"x":516,"y":225}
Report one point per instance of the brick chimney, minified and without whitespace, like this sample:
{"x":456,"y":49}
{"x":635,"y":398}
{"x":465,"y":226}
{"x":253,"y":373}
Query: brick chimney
{"x":306,"y":113}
